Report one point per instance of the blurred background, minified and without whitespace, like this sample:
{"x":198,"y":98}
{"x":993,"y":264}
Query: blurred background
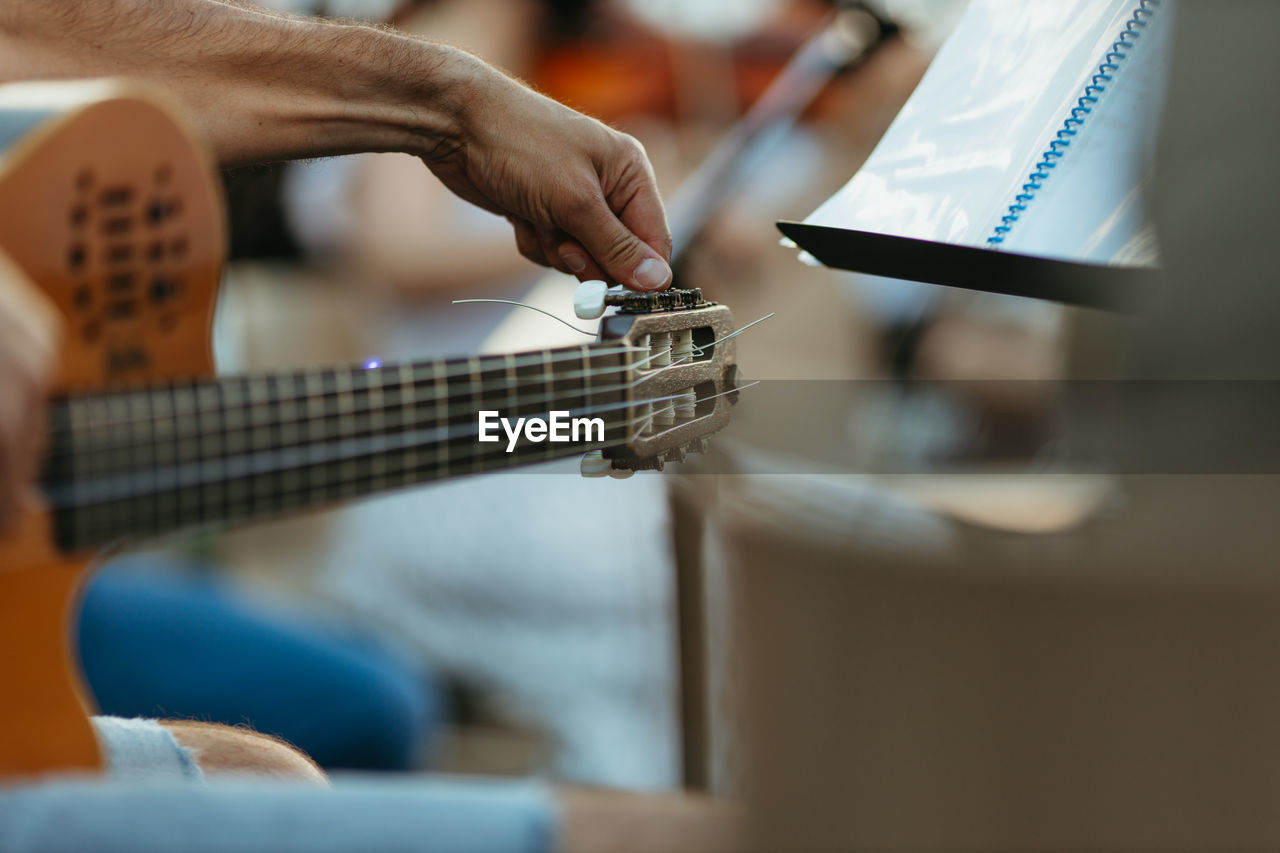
{"x":1007,"y":656}
{"x":529,"y":623}
{"x":525,"y":623}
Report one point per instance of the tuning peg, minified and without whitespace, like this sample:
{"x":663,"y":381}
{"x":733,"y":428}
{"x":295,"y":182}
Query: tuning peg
{"x":588,"y":299}
{"x":675,"y":454}
{"x":594,"y":464}
{"x":621,"y":473}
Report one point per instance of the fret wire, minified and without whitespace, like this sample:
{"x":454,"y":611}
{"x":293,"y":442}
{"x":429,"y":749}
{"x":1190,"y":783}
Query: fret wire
{"x":346,"y":426}
{"x":407,"y":413}
{"x":509,"y":371}
{"x":586,"y":386}
{"x":167,"y":510}
{"x":377,"y":426}
{"x":212,"y":443}
{"x":143,"y":435}
{"x":312,"y":407}
{"x":234,"y":418}
{"x":113,"y":430}
{"x":472,"y":381}
{"x":79,"y":421}
{"x":287,"y":403}
{"x":442,"y":415}
{"x":548,"y":380}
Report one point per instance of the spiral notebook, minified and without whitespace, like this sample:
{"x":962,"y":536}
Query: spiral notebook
{"x":1022,"y":162}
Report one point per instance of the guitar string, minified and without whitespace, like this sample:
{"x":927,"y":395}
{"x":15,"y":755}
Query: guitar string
{"x":428,"y":404}
{"x":542,"y":359}
{"x":193,"y":425}
{"x":701,"y":350}
{"x":197,"y":416}
{"x":535,"y":358}
{"x":405,"y":439}
{"x":99,"y":489}
{"x":99,"y":526}
{"x":119,"y":399}
{"x":531,"y":308}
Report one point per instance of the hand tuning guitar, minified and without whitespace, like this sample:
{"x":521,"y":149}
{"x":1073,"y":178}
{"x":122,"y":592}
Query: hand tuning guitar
{"x":125,"y":239}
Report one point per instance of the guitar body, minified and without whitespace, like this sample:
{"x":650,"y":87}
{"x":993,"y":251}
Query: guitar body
{"x":109,"y":208}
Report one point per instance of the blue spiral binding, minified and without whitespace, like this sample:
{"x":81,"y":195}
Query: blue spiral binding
{"x":1079,"y":114}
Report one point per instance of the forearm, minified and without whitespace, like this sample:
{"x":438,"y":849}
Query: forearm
{"x":260,"y":86}
{"x":580,"y":196}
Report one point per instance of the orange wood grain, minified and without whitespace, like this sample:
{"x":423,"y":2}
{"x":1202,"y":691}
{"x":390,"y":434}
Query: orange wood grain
{"x":44,"y":725}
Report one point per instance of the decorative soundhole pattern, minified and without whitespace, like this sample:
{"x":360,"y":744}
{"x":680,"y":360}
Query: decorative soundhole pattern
{"x":126,"y":253}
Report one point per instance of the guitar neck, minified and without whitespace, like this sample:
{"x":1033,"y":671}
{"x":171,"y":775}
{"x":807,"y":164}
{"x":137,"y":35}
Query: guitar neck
{"x":146,"y":462}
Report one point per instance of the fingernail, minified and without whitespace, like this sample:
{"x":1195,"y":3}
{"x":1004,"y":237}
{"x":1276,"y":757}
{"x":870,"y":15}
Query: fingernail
{"x":575,"y":263}
{"x":652,"y":274}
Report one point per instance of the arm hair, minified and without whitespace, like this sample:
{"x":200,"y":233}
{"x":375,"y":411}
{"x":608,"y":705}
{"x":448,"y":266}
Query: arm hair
{"x":261,"y":85}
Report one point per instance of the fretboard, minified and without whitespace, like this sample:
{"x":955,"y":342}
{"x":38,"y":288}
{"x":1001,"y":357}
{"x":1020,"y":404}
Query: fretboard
{"x":150,"y":461}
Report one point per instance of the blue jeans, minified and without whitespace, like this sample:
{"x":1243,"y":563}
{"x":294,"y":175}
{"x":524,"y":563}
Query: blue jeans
{"x":178,"y":644}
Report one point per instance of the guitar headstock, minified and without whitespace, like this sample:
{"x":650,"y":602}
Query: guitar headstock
{"x":683,"y":382}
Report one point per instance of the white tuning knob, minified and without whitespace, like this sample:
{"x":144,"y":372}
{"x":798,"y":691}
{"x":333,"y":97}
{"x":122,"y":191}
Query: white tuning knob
{"x":588,"y":299}
{"x":594,"y":464}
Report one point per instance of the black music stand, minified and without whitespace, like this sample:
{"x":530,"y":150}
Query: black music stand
{"x":1068,"y":282}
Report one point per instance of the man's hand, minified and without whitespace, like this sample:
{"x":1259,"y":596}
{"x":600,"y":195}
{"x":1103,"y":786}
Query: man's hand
{"x":581,"y":197}
{"x":266,"y":87}
{"x":28,"y":347}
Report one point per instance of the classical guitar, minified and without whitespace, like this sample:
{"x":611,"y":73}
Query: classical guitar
{"x":109,"y":205}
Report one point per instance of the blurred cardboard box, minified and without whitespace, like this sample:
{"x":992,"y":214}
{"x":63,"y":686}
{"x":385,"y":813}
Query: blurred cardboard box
{"x":892,"y":678}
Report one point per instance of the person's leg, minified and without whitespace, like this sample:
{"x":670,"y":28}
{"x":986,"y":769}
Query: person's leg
{"x":175,"y":751}
{"x":156,"y":644}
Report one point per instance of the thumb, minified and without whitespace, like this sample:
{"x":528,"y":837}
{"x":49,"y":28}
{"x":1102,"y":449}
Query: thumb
{"x":623,"y":256}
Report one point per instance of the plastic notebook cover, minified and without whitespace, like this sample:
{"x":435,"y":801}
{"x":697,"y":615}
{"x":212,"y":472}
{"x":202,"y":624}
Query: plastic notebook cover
{"x":986,"y":109}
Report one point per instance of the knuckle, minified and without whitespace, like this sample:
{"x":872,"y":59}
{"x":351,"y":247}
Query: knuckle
{"x":582,"y":203}
{"x":631,"y":147}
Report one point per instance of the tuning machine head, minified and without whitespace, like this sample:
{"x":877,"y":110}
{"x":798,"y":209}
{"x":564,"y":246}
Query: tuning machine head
{"x":591,"y":297}
{"x":681,"y":373}
{"x":681,"y":378}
